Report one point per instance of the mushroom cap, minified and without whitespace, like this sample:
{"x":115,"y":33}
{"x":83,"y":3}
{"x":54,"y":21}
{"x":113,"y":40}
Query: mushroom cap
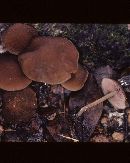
{"x":53,"y":60}
{"x":77,"y":80}
{"x":119,"y":99}
{"x":12,"y":78}
{"x":17,"y":37}
{"x":19,"y":106}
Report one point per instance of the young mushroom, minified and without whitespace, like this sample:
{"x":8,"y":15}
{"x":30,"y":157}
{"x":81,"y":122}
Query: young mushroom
{"x":77,"y":80}
{"x":113,"y":93}
{"x":17,"y":37}
{"x":54,"y":59}
{"x":12,"y":77}
{"x":19,"y":106}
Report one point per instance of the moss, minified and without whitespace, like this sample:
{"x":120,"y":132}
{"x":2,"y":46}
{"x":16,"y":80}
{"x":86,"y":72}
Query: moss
{"x":99,"y":43}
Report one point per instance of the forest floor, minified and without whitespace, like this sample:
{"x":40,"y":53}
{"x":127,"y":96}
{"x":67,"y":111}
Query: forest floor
{"x":103,"y":51}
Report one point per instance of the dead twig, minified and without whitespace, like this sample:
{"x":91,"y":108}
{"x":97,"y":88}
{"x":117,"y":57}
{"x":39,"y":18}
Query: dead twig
{"x":7,"y":130}
{"x":69,"y":138}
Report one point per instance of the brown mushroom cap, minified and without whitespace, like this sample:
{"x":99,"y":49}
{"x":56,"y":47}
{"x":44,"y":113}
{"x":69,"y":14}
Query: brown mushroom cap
{"x":77,"y":80}
{"x":119,"y":99}
{"x":19,"y":106}
{"x":53,"y":60}
{"x":17,"y":37}
{"x":11,"y":76}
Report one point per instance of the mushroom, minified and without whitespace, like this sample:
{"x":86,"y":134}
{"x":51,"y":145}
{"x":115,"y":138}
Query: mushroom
{"x":77,"y":80}
{"x":12,"y":78}
{"x":19,"y":106}
{"x":54,"y":59}
{"x":113,"y":93}
{"x":128,"y":26}
{"x":17,"y":37}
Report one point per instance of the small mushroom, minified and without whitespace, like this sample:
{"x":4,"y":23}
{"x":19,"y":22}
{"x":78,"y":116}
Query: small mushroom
{"x":77,"y":80}
{"x":12,"y":78}
{"x":19,"y":106}
{"x":17,"y":37}
{"x":119,"y":99}
{"x":53,"y":60}
{"x":113,"y":93}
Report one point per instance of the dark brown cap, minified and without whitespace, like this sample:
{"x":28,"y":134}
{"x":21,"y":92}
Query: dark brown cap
{"x":77,"y":80}
{"x":12,"y":78}
{"x":19,"y":106}
{"x":53,"y":60}
{"x":17,"y":37}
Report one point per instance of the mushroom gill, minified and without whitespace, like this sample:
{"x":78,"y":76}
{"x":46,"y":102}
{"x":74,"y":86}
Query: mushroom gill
{"x":119,"y":99}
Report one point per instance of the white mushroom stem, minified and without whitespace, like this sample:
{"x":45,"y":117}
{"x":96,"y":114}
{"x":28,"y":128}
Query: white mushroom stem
{"x":100,"y":100}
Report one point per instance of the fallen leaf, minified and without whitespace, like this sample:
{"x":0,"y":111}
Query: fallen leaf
{"x":84,"y":125}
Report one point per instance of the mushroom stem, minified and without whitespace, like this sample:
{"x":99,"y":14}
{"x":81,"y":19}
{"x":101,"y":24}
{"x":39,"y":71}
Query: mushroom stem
{"x":104,"y":98}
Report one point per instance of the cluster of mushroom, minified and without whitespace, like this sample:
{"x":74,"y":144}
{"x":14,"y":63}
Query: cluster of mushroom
{"x":52,"y":60}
